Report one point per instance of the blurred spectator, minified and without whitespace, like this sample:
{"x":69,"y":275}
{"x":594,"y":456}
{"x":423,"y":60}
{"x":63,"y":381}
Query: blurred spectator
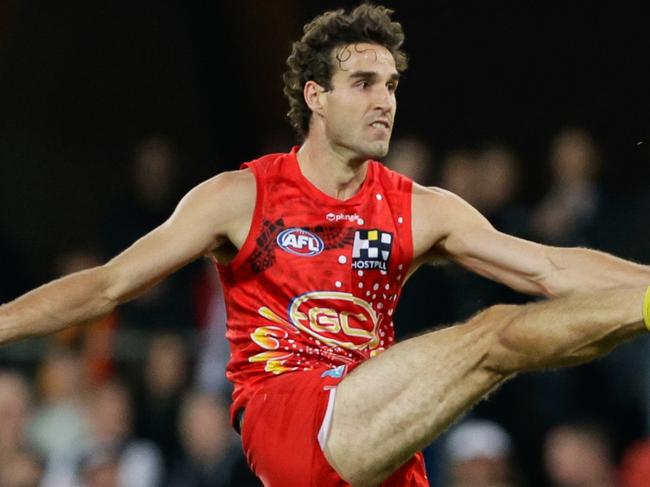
{"x":568,"y":209}
{"x":101,"y":468}
{"x":21,"y":469}
{"x":412,"y":157}
{"x":479,"y":455}
{"x":212,"y":456}
{"x":579,"y":455}
{"x":149,"y":201}
{"x":95,"y":340}
{"x":135,"y":462}
{"x":59,"y":429}
{"x":15,"y":405}
{"x":158,"y":398}
{"x":460,"y":174}
{"x":214,"y":349}
{"x":635,"y":465}
{"x":498,"y":188}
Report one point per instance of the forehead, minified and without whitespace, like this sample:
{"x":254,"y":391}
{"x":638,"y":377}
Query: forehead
{"x":363,"y":56}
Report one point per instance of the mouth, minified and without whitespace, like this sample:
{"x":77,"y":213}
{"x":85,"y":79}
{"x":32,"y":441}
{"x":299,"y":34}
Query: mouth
{"x":381,"y":124}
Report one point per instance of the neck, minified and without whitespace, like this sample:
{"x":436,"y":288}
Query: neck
{"x":333,"y":170}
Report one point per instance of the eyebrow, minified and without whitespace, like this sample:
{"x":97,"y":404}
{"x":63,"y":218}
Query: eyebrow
{"x":371,"y":75}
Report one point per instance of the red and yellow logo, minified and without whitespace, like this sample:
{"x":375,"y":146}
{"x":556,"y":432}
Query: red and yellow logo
{"x":336,"y":319}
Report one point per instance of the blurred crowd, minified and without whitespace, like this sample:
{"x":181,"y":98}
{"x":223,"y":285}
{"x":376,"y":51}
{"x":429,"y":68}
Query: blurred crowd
{"x":139,"y":398}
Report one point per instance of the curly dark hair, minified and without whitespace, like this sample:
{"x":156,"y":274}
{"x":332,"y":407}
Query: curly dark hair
{"x":311,"y":57}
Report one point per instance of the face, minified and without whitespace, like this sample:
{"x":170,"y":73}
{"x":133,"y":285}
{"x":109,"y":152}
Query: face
{"x":358,"y":112}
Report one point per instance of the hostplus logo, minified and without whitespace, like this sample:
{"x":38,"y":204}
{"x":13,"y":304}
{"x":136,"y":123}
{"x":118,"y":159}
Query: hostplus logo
{"x":371,"y":249}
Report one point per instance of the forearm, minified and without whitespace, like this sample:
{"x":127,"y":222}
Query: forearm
{"x":71,"y":300}
{"x":537,"y":269}
{"x":578,"y":270}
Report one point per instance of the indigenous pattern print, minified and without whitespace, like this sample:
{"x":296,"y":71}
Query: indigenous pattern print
{"x":263,"y":257}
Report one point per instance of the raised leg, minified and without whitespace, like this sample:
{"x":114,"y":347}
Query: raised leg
{"x":398,"y":402}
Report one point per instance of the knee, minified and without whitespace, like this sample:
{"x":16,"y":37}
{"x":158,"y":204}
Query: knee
{"x":494,"y":325}
{"x":495,"y":314}
{"x":492,"y":321}
{"x":357,"y":472}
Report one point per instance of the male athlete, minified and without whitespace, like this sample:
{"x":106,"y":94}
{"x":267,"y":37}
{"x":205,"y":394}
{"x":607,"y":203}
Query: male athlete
{"x":313,"y":247}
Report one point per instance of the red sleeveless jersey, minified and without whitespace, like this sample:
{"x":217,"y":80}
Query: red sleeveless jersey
{"x":317,"y":280}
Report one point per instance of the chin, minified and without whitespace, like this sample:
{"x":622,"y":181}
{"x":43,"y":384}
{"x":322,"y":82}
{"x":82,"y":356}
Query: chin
{"x":373,"y":150}
{"x":379,"y":150}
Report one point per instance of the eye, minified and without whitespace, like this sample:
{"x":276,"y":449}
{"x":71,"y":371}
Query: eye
{"x":392,"y":86}
{"x":363,"y":84}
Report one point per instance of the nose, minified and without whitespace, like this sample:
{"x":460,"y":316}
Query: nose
{"x":385,"y":100}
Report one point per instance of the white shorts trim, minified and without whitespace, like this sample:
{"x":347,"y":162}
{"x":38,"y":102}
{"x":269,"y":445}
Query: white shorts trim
{"x":324,"y":430}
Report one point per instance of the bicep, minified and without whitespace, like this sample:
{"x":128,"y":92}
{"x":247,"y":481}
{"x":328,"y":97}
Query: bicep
{"x":199,"y":224}
{"x":463,"y":235}
{"x":439,"y":220}
{"x":517,"y":263}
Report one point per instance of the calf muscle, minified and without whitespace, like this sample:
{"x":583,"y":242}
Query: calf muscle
{"x":565,"y":331}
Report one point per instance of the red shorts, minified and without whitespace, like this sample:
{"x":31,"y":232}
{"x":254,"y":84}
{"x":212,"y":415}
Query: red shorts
{"x":285,"y":423}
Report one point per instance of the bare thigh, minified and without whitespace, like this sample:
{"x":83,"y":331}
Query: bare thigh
{"x":396,"y":403}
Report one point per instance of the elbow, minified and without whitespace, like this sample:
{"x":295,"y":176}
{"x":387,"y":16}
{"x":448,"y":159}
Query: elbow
{"x":494,"y":325}
{"x":111,"y":292}
{"x":550,"y":281}
{"x":547,"y":288}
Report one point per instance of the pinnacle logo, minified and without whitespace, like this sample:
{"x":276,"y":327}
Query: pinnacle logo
{"x":371,"y":249}
{"x":337,"y":217}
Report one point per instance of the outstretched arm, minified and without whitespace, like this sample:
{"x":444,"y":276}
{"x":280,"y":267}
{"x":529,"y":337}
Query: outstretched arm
{"x":209,"y":215}
{"x":446,"y":225}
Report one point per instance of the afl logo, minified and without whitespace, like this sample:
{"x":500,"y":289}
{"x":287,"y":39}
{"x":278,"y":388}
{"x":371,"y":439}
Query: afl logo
{"x":297,"y":241}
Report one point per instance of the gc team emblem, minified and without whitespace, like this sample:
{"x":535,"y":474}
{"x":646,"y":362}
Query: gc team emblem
{"x":301,"y":242}
{"x":336,"y":319}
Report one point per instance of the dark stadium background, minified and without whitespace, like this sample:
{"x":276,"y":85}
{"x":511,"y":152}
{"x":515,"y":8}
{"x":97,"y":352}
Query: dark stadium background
{"x":81,"y":83}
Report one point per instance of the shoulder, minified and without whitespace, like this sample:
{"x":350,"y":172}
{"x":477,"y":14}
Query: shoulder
{"x":229,"y":186}
{"x":239,"y":179}
{"x":437,"y":214}
{"x":221,"y":200}
{"x":432,"y":198}
{"x":443,"y":207}
{"x":430,"y":191}
{"x":267,"y":162}
{"x":432,"y":210}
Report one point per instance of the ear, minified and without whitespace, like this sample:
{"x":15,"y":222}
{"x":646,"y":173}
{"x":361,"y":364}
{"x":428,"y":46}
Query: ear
{"x":315,"y":97}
